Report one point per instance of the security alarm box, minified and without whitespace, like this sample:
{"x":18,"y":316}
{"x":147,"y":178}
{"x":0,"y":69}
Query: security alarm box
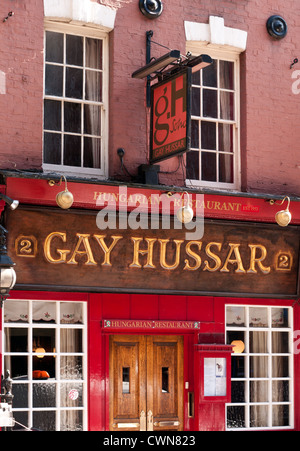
{"x":213,"y":367}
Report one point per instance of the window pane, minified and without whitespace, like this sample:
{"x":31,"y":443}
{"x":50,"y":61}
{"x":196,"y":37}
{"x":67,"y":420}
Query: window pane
{"x":74,"y":50}
{"x":52,"y":148}
{"x":226,"y":105}
{"x":44,"y":312}
{"x":280,"y":342}
{"x":16,"y":340}
{"x":195,"y":134}
{"x":71,"y":420}
{"x":208,"y":135}
{"x":210,"y":75}
{"x":53,"y":80}
{"x":225,"y":168}
{"x":281,"y":416}
{"x":280,"y":366}
{"x":196,"y":78}
{"x":258,"y":342}
{"x":280,"y":391}
{"x":192,"y":165}
{"x":20,"y":392}
{"x":16,"y":311}
{"x":74,"y":83}
{"x":54,"y":47}
{"x":235,"y":316}
{"x":94,"y":53}
{"x":280,"y":317}
{"x":236,"y":417}
{"x":72,"y":150}
{"x":52,"y":115}
{"x":71,"y":367}
{"x":71,"y":313}
{"x":72,"y":117}
{"x":92,"y":120}
{"x":258,"y":317}
{"x":71,"y":395}
{"x":18,"y":367}
{"x":237,"y":367}
{"x":210,"y":103}
{"x":196,"y":99}
{"x":208,"y":166}
{"x":92,"y":153}
{"x":258,"y":416}
{"x":44,"y":395}
{"x":43,"y":339}
{"x":44,"y":421}
{"x":259,"y":366}
{"x":226,"y":74}
{"x":225,"y":137}
{"x":71,"y":340}
{"x":259,"y":391}
{"x":43,"y":367}
{"x":237,"y":391}
{"x":93,"y":86}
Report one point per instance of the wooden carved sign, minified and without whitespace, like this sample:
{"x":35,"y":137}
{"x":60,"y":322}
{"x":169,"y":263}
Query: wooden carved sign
{"x":66,"y":250}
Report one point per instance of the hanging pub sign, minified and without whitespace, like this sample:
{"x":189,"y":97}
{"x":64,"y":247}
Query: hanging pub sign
{"x":170,"y":117}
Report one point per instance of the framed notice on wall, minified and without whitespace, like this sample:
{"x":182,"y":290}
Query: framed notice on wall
{"x":170,"y":117}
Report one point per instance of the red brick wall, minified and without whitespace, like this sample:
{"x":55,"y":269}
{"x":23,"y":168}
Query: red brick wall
{"x":270,"y":111}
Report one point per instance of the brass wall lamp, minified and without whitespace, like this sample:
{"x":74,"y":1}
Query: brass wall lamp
{"x":185,"y":213}
{"x":65,"y":198}
{"x":282,"y":217}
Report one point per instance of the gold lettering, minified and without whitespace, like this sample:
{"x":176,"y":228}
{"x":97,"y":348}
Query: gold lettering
{"x":107,"y":250}
{"x":254,"y":259}
{"x":82,"y":239}
{"x":47,"y":248}
{"x":137,"y":251}
{"x":163,"y":252}
{"x":234,"y":248}
{"x":213,"y":256}
{"x":192,"y":254}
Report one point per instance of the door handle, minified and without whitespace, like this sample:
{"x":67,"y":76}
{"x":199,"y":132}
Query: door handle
{"x":166,"y":423}
{"x":149,"y":421}
{"x":126,"y":425}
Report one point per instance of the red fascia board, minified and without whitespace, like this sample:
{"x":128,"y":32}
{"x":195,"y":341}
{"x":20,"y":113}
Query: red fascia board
{"x":127,"y":198}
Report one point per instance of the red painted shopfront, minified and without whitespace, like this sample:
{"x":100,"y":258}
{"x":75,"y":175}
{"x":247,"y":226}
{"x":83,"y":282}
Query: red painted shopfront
{"x":146,"y":329}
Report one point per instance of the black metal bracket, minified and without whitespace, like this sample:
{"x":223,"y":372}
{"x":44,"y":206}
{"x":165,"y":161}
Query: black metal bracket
{"x":149,"y":35}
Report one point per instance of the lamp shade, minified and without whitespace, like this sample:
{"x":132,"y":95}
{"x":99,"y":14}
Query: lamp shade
{"x":283,"y":217}
{"x":185,"y":214}
{"x":65,"y":199}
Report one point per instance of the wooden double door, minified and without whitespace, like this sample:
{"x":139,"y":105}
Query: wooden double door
{"x":146,"y":383}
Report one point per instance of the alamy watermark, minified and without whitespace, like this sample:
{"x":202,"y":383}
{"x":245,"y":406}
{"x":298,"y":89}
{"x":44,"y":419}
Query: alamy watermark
{"x":157,"y":212}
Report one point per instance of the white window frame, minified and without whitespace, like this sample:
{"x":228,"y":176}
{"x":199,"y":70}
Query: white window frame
{"x":246,"y":354}
{"x":30,"y":325}
{"x":89,"y":32}
{"x":225,"y":55}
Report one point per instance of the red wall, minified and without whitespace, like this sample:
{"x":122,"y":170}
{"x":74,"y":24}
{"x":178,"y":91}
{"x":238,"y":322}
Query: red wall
{"x":270,"y":110}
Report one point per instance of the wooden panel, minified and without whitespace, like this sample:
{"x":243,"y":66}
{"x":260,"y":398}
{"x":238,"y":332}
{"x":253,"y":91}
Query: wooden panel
{"x":66,"y":250}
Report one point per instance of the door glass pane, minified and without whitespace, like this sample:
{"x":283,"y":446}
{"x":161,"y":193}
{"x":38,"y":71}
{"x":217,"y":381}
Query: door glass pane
{"x":125,"y":380}
{"x":258,"y":416}
{"x":44,"y":420}
{"x":165,"y":379}
{"x":71,"y":420}
{"x":259,"y":391}
{"x":18,"y":367}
